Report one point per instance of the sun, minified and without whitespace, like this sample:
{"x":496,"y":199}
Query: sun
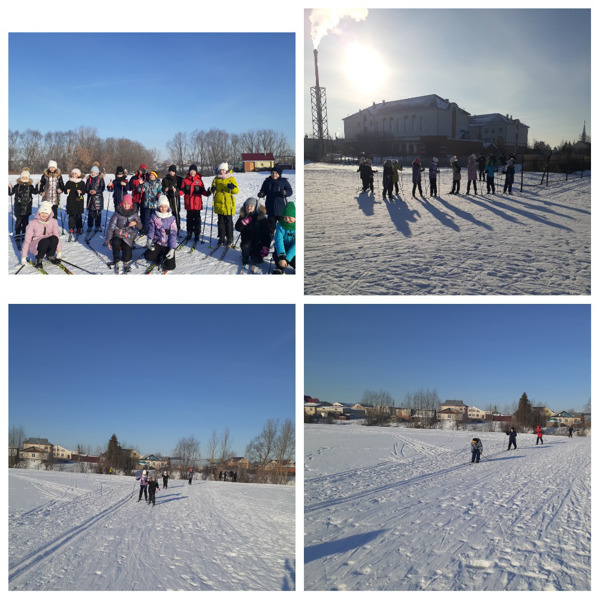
{"x":364,"y":66}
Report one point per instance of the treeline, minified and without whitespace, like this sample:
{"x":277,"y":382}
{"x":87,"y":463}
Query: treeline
{"x":74,"y":148}
{"x":83,"y":147}
{"x":209,"y":148}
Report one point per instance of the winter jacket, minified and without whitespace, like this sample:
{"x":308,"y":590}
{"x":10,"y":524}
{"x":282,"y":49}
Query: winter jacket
{"x":433,"y":170}
{"x":396,"y":172}
{"x":96,"y":184}
{"x":472,"y":168}
{"x":539,"y":431}
{"x":118,"y":225}
{"x":193,"y":189}
{"x":38,"y":230}
{"x":144,"y":480}
{"x":223,"y":196}
{"x":135,"y":185}
{"x":455,"y":171}
{"x":285,"y":242}
{"x":23,"y":192}
{"x":117,"y":189}
{"x":52,"y":186}
{"x":75,"y":188}
{"x":481,"y":162}
{"x":150,"y":192}
{"x":162,"y":229}
{"x":276,"y":193}
{"x":416,"y":172}
{"x":476,"y":446}
{"x":490,"y":169}
{"x":170,"y":186}
{"x":366,"y":172}
{"x":512,"y":436}
{"x":153,"y":486}
{"x":510,"y":172}
{"x":254,"y":229}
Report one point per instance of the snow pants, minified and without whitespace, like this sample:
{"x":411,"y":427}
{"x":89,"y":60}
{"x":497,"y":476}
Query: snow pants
{"x":143,"y":490}
{"x":47,"y":247}
{"x":415,"y":185}
{"x":94,"y":219}
{"x":455,"y":186}
{"x":512,"y":443}
{"x":539,"y":439}
{"x":21,"y":224}
{"x":152,"y":495}
{"x":75,"y":222}
{"x":367,"y":184}
{"x":159,"y":253}
{"x":433,"y":186}
{"x":475,"y":456}
{"x":194,"y":221}
{"x":225,"y":229}
{"x":474,"y":182}
{"x":146,"y":215}
{"x":490,"y":185}
{"x":120,"y":250}
{"x":165,"y":480}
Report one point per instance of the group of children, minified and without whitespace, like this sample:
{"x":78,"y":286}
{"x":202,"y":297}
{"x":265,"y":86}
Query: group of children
{"x":475,"y":166}
{"x":150,"y":207}
{"x":477,"y":446}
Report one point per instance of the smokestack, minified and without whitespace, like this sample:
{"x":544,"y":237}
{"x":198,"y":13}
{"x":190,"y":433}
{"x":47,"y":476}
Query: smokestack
{"x":316,"y":66}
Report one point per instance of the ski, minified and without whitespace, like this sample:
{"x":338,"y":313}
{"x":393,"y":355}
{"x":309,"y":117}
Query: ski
{"x":193,"y":247}
{"x":224,"y":252}
{"x":40,"y":269}
{"x":211,"y":253}
{"x":183,"y":242}
{"x":151,"y":268}
{"x":78,"y":267}
{"x":19,"y":269}
{"x":62,"y":267}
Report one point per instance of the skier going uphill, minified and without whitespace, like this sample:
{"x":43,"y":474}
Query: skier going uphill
{"x":476,"y":450}
{"x":144,"y":486}
{"x":512,"y":438}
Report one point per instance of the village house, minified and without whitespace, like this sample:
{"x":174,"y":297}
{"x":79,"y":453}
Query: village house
{"x":453,"y":410}
{"x":258,"y":161}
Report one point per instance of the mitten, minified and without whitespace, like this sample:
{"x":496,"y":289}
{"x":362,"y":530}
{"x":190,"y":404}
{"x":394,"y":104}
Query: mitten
{"x":230,"y":186}
{"x":261,"y":195}
{"x":246,"y":220}
{"x":264,"y":251}
{"x":170,"y":254}
{"x":24,"y":260}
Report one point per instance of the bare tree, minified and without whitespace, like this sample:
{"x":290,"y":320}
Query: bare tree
{"x":285,"y":444}
{"x":378,"y":407}
{"x":188,"y":449}
{"x":261,"y":449}
{"x":225,"y":446}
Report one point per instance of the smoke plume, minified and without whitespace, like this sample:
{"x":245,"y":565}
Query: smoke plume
{"x":324,"y":20}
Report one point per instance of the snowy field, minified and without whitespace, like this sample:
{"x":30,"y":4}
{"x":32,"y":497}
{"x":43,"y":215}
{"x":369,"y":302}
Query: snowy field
{"x":197,"y":262}
{"x":75,"y":531}
{"x":405,"y":509}
{"x":532,"y":242}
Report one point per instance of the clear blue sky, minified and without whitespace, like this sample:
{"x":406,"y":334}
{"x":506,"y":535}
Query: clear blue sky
{"x":533,"y":64}
{"x":481,"y":354}
{"x":150,"y":374}
{"x":149,"y":86}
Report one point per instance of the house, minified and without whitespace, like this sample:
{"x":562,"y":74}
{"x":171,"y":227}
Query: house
{"x":60,"y":453}
{"x":34,"y":453}
{"x":311,"y":408}
{"x":258,"y":161}
{"x":455,"y":410}
{"x":281,"y":465}
{"x":153,"y":462}
{"x":500,"y":131}
{"x":477,"y":414}
{"x":41,"y":444}
{"x":238,"y":462}
{"x":564,"y":418}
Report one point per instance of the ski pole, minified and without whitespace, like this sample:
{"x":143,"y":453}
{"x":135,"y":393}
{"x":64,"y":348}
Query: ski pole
{"x":212,"y":212}
{"x":19,"y":269}
{"x":78,"y":267}
{"x":204,"y":224}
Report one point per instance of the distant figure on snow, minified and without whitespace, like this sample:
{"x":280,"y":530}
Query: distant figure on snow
{"x":144,"y":485}
{"x":476,"y":450}
{"x":455,"y":175}
{"x":512,"y":438}
{"x":571,"y":431}
{"x":165,"y":477}
{"x":190,"y":475}
{"x":152,"y":487}
{"x":540,"y":434}
{"x":417,"y":169}
{"x":366,"y":174}
{"x":433,"y":175}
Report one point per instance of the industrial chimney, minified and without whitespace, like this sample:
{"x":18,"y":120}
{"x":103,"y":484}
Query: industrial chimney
{"x":319,"y":110}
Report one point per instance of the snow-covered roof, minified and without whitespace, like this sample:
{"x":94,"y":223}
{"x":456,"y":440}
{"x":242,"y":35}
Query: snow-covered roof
{"x":493,"y":119}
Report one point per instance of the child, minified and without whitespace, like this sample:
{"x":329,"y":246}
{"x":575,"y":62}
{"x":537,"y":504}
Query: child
{"x":366,"y":174}
{"x":135,"y":185}
{"x":254,"y":232}
{"x":23,"y":191}
{"x":472,"y":173}
{"x":285,"y":240}
{"x":95,"y":187}
{"x":512,"y":438}
{"x":388,"y":179}
{"x":481,"y":164}
{"x":42,"y":237}
{"x":75,"y":188}
{"x":396,"y":168}
{"x":476,"y":450}
{"x":509,"y":178}
{"x":224,"y":186}
{"x":540,"y":435}
{"x":192,"y":188}
{"x":190,"y":475}
{"x":52,"y":186}
{"x":152,"y":487}
{"x":165,"y":477}
{"x":118,"y":186}
{"x":490,"y":170}
{"x":162,"y":235}
{"x":417,"y":169}
{"x":433,"y":175}
{"x":144,"y":486}
{"x":150,"y":191}
{"x":122,"y":229}
{"x":170,"y":185}
{"x":277,"y":190}
{"x":455,"y":175}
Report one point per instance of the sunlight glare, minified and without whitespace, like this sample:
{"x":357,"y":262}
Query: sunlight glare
{"x":364,"y":67}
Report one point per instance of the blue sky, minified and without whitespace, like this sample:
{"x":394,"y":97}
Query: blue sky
{"x":481,"y":354}
{"x":150,"y":374}
{"x":533,"y":64}
{"x":149,"y":86}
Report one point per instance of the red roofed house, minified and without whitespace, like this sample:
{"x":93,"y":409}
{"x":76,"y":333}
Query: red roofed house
{"x":258,"y":161}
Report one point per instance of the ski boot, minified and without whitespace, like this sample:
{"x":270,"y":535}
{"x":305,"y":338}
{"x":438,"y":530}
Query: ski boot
{"x":127,"y":266}
{"x":54,"y":260}
{"x":39,"y":264}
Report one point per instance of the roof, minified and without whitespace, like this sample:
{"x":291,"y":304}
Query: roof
{"x":453,"y":403}
{"x":493,"y":118}
{"x":418,"y":103}
{"x":258,"y":156}
{"x":37,"y":441}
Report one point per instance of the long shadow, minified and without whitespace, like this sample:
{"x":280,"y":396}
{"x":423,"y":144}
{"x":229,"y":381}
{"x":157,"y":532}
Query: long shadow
{"x":493,"y":209}
{"x":337,"y":546}
{"x":289,"y":581}
{"x":538,"y":207}
{"x":463,"y":214}
{"x":441,"y":216}
{"x":366,"y":203}
{"x":529,"y":215}
{"x":169,"y":498}
{"x":400,"y":215}
{"x":504,"y":458}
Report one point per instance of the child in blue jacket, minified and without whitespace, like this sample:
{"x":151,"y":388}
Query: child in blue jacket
{"x":285,"y":240}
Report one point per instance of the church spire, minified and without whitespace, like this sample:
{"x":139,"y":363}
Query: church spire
{"x":583,"y":134}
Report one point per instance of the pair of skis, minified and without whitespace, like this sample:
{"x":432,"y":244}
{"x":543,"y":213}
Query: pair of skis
{"x":43,"y":271}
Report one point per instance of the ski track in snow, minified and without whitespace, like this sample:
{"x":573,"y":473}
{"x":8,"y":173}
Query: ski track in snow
{"x":402,"y":509}
{"x":196,"y":262}
{"x":533,"y":242}
{"x":94,"y":535}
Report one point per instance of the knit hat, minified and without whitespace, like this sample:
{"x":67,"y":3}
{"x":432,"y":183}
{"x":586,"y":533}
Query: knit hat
{"x":144,"y":472}
{"x":45,"y":207}
{"x":154,"y":173}
{"x":143,"y":167}
{"x":127,"y":200}
{"x":95,"y":170}
{"x":417,"y":160}
{"x":288,"y":211}
{"x":252,"y":201}
{"x":434,"y":159}
{"x":223,"y":167}
{"x":277,"y":169}
{"x":120,"y":171}
{"x":453,"y":159}
{"x":173,"y":168}
{"x":76,"y":171}
{"x":162,"y":199}
{"x":52,"y":163}
{"x":193,"y":168}
{"x":25,"y":175}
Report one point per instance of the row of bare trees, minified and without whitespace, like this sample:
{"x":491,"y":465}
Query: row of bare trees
{"x":207,"y":149}
{"x":74,"y":148}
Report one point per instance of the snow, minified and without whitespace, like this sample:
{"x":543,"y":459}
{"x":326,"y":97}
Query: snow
{"x":197,"y":262}
{"x":405,"y":509}
{"x":76,"y":531}
{"x":533,"y":242}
